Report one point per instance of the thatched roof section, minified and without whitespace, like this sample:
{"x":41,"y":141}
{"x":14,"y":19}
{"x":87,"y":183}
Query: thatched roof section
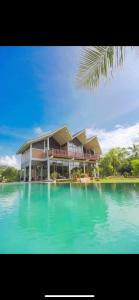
{"x":93,"y":143}
{"x":81,"y":136}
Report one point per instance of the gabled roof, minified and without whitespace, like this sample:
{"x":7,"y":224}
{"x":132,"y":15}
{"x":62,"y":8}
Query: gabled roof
{"x":81,"y":136}
{"x":93,"y":143}
{"x":61,"y":135}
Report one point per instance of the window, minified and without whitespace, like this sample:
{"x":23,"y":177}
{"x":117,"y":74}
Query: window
{"x":75,"y":146}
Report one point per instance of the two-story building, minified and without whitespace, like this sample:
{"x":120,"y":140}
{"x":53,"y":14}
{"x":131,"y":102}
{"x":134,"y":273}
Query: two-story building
{"x":58,"y":151}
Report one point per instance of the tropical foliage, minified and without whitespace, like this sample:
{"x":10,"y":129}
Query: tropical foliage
{"x":76,"y":173}
{"x":135,"y":167}
{"x":134,"y":150}
{"x":120,"y":161}
{"x":9,"y":174}
{"x":54,"y":175}
{"x":98,"y":62}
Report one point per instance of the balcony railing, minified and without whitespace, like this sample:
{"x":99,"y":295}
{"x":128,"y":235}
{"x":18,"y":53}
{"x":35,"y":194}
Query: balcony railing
{"x":60,"y":153}
{"x":68,"y":154}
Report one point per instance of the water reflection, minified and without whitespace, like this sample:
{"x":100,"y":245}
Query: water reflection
{"x":74,"y":218}
{"x":9,"y":195}
{"x":62,"y":211}
{"x":121,"y":193}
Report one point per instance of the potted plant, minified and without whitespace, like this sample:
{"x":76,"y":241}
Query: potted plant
{"x":54,"y":175}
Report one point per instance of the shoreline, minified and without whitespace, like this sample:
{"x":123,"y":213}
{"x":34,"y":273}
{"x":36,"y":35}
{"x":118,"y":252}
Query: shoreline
{"x":98,"y":181}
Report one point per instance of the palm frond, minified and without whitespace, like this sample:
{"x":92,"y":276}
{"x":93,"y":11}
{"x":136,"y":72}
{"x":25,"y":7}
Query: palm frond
{"x":98,"y":62}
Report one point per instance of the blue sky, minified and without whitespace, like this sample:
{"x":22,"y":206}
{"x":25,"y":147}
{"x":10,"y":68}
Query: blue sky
{"x":38,"y":93}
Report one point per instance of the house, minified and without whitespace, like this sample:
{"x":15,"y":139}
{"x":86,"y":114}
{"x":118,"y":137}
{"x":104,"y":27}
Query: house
{"x":58,"y":151}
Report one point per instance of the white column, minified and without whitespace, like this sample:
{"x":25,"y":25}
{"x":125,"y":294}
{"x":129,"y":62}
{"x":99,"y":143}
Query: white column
{"x":30,"y":158}
{"x":24,"y":174}
{"x":48,"y":160}
{"x":84,"y":167}
{"x":44,"y":145}
{"x":97,"y":169}
{"x":20,"y":174}
{"x":48,"y":168}
{"x":69,"y":169}
{"x":48,"y":145}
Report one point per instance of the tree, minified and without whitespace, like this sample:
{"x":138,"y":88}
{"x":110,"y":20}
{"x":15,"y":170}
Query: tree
{"x":134,"y":150}
{"x":97,"y":62}
{"x":115,"y":162}
{"x":135,"y":167}
{"x":11,"y":174}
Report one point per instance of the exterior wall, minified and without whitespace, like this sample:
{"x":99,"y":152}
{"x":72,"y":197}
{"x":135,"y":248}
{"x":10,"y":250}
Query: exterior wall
{"x":25,"y":158}
{"x":88,"y":151}
{"x":75,"y":146}
{"x":38,"y":145}
{"x":64,"y":147}
{"x":53,"y":144}
{"x":36,"y":153}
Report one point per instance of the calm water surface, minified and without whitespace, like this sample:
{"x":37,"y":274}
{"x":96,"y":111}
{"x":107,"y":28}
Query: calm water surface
{"x":69,"y":218}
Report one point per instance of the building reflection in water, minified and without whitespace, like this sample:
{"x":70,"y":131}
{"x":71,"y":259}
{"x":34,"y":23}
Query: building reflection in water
{"x":70,"y":216}
{"x":55,"y":212}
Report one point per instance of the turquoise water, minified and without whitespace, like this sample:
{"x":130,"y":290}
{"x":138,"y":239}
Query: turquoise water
{"x":69,"y":218}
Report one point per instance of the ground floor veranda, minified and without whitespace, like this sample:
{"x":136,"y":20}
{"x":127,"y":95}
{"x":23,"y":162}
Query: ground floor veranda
{"x":42,"y":170}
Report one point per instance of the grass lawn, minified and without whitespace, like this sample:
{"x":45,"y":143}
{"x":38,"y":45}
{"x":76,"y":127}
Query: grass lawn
{"x":116,"y":180}
{"x":106,"y":180}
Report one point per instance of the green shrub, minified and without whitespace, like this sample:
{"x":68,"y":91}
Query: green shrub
{"x":135,"y":167}
{"x":10,"y":174}
{"x":126,"y":174}
{"x":54,"y":175}
{"x":76,"y":173}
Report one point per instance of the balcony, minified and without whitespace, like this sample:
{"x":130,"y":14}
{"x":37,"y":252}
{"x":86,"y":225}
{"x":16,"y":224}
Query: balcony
{"x":60,"y":153}
{"x":67,"y":154}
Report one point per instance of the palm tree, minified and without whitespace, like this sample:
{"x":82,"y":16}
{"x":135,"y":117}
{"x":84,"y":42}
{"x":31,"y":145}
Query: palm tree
{"x":98,"y":62}
{"x":135,"y":150}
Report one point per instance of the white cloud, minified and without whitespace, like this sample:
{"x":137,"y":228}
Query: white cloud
{"x":38,"y":130}
{"x":118,"y":126}
{"x":10,"y":161}
{"x":119,"y":137}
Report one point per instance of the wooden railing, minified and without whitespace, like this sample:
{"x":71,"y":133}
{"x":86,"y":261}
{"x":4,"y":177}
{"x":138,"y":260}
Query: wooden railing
{"x":68,"y":154}
{"x":60,"y":153}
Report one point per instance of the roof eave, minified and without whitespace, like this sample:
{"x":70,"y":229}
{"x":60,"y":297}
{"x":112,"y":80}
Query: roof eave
{"x":21,"y":149}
